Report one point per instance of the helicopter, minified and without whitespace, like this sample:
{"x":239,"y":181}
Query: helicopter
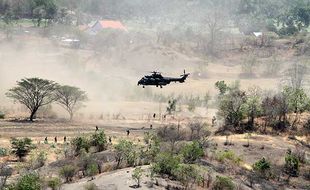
{"x":156,"y":79}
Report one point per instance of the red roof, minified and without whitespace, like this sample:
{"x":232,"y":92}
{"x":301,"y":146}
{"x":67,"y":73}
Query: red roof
{"x":112,"y":24}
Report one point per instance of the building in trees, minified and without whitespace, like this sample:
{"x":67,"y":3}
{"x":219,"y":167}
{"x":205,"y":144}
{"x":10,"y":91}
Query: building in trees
{"x":101,"y":25}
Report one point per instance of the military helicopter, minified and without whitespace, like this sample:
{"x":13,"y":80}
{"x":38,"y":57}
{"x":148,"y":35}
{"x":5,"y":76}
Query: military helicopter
{"x":156,"y":79}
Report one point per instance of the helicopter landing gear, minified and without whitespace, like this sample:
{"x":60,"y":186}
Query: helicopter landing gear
{"x":161,"y":86}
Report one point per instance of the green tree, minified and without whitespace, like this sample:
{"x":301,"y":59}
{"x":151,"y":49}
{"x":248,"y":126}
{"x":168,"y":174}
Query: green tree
{"x":262,"y":166}
{"x":33,"y":93}
{"x":54,"y":183}
{"x":21,"y":147}
{"x":253,"y":105}
{"x":125,"y":150}
{"x":137,"y":174}
{"x":297,"y":100}
{"x":68,"y":172}
{"x":71,"y":98}
{"x":222,"y":87}
{"x":29,"y":181}
{"x":153,"y":146}
{"x":43,"y":9}
{"x":231,"y":105}
{"x":99,"y":140}
{"x":186,"y":173}
{"x":165,"y":163}
{"x":223,"y":183}
{"x":291,"y":164}
{"x":192,"y":152}
{"x":80,"y":143}
{"x":92,"y":169}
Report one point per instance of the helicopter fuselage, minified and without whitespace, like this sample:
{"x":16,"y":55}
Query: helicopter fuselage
{"x":158,"y":80}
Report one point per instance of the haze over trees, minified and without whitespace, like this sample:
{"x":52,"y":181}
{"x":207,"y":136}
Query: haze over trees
{"x":35,"y":93}
{"x":70,"y":98}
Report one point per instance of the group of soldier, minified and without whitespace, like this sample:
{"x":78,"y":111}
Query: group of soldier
{"x":97,"y":129}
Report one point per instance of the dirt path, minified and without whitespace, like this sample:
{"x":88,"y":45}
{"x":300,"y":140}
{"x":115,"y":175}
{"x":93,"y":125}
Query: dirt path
{"x":120,"y":179}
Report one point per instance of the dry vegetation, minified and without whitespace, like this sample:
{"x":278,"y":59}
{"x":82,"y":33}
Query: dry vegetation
{"x":241,"y":121}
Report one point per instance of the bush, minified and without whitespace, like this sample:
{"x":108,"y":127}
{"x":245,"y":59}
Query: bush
{"x":291,"y":164}
{"x":5,"y":172}
{"x":80,"y":143}
{"x":99,"y":140}
{"x":191,"y":152}
{"x":223,"y":183}
{"x":90,"y":186}
{"x":21,"y":147}
{"x":37,"y":159}
{"x":54,"y":183}
{"x":137,"y":174}
{"x":165,"y":163}
{"x":29,"y":181}
{"x":68,"y":172}
{"x":186,"y":173}
{"x":221,"y":156}
{"x":92,"y":169}
{"x":262,"y":167}
{"x":3,"y":152}
{"x":125,"y":150}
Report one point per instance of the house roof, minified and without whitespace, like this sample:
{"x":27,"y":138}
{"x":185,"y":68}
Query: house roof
{"x":112,"y":24}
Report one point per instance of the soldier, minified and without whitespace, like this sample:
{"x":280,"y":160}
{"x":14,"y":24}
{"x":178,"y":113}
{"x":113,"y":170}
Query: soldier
{"x":154,"y":115}
{"x":97,"y":128}
{"x":65,"y":139}
{"x":110,"y":139}
{"x":127,"y":132}
{"x":45,"y":140}
{"x":55,"y":139}
{"x":151,"y":126}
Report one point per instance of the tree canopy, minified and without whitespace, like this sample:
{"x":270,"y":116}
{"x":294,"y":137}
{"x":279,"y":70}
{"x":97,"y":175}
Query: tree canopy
{"x":33,"y":93}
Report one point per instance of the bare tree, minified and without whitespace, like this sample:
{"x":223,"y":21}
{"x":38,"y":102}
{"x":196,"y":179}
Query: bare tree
{"x":5,"y":173}
{"x":33,"y":93}
{"x":172,"y":134}
{"x":296,"y":75}
{"x":71,"y":98}
{"x":216,"y":19}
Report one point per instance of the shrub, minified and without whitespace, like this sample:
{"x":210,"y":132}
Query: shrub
{"x":90,"y":186}
{"x":165,"y":163}
{"x":221,"y":156}
{"x":21,"y":147}
{"x":291,"y":164}
{"x":5,"y":173}
{"x":137,"y":174}
{"x":37,"y":159}
{"x":99,"y":140}
{"x":262,"y":167}
{"x":191,"y":152}
{"x":68,"y":172}
{"x":3,"y":152}
{"x":125,"y":150}
{"x":249,"y":64}
{"x":223,"y":183}
{"x":92,"y":169}
{"x":80,"y":143}
{"x":54,"y":183}
{"x":186,"y":173}
{"x":30,"y":181}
